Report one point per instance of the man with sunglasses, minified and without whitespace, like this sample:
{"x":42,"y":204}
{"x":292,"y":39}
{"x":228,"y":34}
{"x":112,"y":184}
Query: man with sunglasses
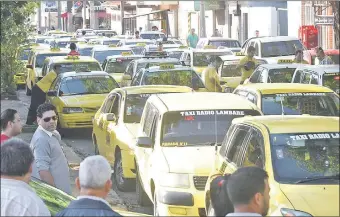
{"x":51,"y":164}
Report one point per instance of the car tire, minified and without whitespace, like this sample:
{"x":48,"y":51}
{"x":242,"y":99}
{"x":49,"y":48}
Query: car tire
{"x":28,"y":91}
{"x":122,"y":183}
{"x":142,"y":197}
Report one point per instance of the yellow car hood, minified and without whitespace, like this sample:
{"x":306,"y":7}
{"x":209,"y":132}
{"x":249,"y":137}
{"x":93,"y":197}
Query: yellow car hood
{"x":117,"y":76}
{"x":317,"y":200}
{"x":84,"y":101}
{"x":191,"y":160}
{"x":132,"y":128}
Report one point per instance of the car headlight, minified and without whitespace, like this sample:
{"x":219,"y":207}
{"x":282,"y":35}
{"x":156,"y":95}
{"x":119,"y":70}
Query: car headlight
{"x":72,"y":110}
{"x":174,"y":180}
{"x":292,"y":212}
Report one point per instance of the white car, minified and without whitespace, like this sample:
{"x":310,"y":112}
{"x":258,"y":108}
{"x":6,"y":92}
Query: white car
{"x":233,"y":44}
{"x":271,"y":49}
{"x":152,"y":35}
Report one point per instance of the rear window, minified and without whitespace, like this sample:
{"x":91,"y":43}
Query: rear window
{"x":229,"y":69}
{"x":175,"y":54}
{"x":85,"y":51}
{"x":143,"y":64}
{"x":284,"y":75}
{"x":117,"y":66}
{"x":331,"y":80}
{"x":101,"y":55}
{"x":78,"y":67}
{"x":321,"y":104}
{"x":280,"y":48}
{"x":108,"y":42}
{"x":152,"y":36}
{"x":226,"y":43}
{"x":40,"y":58}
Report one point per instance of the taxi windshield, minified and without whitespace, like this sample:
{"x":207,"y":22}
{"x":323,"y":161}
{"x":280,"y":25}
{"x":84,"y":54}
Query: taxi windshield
{"x":283,"y":75}
{"x":138,"y":50}
{"x":62,"y":44}
{"x":78,"y":67}
{"x":322,"y":104}
{"x":300,"y":156}
{"x":225,"y":43}
{"x":331,"y":80}
{"x":118,"y":66}
{"x":229,"y":69}
{"x":101,"y":55}
{"x":89,"y":84}
{"x":175,"y":54}
{"x":198,"y":128}
{"x":142,"y":65}
{"x":113,"y":41}
{"x":201,"y":59}
{"x":137,"y":42}
{"x":178,"y":77}
{"x":280,"y":48}
{"x":40,"y":58}
{"x":86,"y":51}
{"x":23,"y":55}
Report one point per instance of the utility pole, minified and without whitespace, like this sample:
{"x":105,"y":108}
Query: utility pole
{"x":59,"y":15}
{"x":84,"y":14}
{"x":202,"y":14}
{"x":39,"y":16}
{"x":122,"y":16}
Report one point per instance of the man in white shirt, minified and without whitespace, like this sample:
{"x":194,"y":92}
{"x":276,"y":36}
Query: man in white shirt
{"x":17,"y":197}
{"x":94,"y":183}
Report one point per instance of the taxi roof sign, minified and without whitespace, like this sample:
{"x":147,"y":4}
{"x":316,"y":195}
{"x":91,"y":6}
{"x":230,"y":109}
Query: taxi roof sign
{"x":141,"y":44}
{"x":112,"y":45}
{"x":182,"y":47}
{"x":239,"y":54}
{"x":166,"y":66}
{"x":72,"y":57}
{"x":209,"y":47}
{"x":285,"y":61}
{"x":127,"y":53}
{"x":55,"y":49}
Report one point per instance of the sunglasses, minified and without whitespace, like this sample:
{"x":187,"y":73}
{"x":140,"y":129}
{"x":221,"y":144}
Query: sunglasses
{"x":48,"y":119}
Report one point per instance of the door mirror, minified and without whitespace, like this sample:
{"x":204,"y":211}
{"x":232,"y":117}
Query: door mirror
{"x":52,"y":93}
{"x":127,"y":77}
{"x":29,"y":66}
{"x":144,"y":142}
{"x":111,"y":117}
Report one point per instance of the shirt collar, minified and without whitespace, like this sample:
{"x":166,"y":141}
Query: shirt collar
{"x":93,"y":198}
{"x":50,"y":134}
{"x":15,"y":183}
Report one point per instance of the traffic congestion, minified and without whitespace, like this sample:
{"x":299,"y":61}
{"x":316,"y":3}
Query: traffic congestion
{"x":169,"y":117}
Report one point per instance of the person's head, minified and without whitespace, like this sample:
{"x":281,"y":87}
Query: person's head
{"x":47,"y":116}
{"x":83,"y":32}
{"x":10,"y":122}
{"x":39,"y":32}
{"x":56,"y":68}
{"x":251,"y":51}
{"x":73,"y":46}
{"x":160,"y":46}
{"x":137,"y":33}
{"x":94,"y":176}
{"x":257,"y":33}
{"x":16,"y":160}
{"x":192,"y":31}
{"x":140,"y":29}
{"x":248,"y":190}
{"x":299,"y":55}
{"x":320,"y":53}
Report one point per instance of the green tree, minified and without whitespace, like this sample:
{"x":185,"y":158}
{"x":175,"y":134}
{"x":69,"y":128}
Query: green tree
{"x":15,"y":30}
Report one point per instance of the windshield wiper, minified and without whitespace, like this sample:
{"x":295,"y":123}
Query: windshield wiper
{"x":310,"y":179}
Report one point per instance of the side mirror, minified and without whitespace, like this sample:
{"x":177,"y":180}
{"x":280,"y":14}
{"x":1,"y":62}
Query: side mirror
{"x":111,"y":117}
{"x":29,"y":66}
{"x":144,"y":142}
{"x":127,"y":77}
{"x":52,"y":93}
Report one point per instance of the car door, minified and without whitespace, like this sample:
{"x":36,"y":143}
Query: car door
{"x":110,"y":129}
{"x":55,"y":99}
{"x":256,"y":74}
{"x":235,"y":147}
{"x":136,"y":80}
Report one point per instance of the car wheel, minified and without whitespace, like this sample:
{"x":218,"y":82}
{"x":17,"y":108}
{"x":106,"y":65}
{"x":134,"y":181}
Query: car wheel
{"x":142,"y":197}
{"x":28,"y":91}
{"x":211,"y":210}
{"x":122,"y":183}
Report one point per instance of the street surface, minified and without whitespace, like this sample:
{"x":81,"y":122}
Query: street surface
{"x":78,"y":145}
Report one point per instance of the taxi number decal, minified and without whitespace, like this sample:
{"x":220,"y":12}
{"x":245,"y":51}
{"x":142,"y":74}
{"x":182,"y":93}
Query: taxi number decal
{"x":316,"y":136}
{"x":174,"y":143}
{"x":227,"y":112}
{"x":166,"y":66}
{"x":301,"y":94}
{"x":330,"y":74}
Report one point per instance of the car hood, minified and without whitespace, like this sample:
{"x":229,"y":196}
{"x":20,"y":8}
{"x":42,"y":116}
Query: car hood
{"x":189,"y":159}
{"x":88,"y":101}
{"x":273,"y":60}
{"x":317,"y":200}
{"x":117,"y":76}
{"x":132,"y":128}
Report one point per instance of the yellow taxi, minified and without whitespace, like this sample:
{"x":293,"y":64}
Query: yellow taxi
{"x":300,"y":155}
{"x":35,"y":62}
{"x":70,"y":63}
{"x":116,"y":65}
{"x":291,"y":99}
{"x":176,"y":144}
{"x":230,"y":77}
{"x":54,"y":32}
{"x":78,"y":95}
{"x":22,"y":55}
{"x":115,"y":126}
{"x":198,"y":59}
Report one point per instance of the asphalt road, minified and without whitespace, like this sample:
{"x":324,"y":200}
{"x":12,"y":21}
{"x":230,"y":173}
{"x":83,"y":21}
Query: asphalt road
{"x":81,"y":144}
